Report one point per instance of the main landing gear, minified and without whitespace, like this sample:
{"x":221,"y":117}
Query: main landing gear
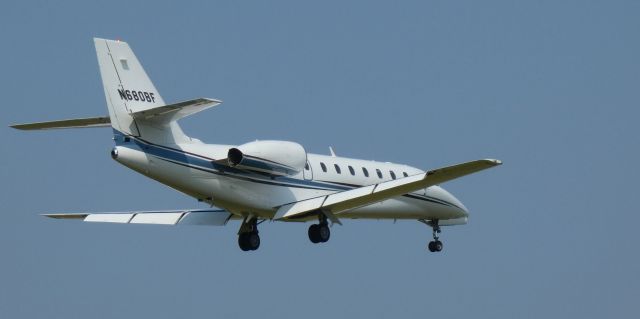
{"x":320,"y":233}
{"x":435,"y":245}
{"x":248,"y":238}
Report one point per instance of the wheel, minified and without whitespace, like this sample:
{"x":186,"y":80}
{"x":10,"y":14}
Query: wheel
{"x":432,"y":246}
{"x":242,"y":242}
{"x":249,"y":241}
{"x":438,"y":245}
{"x":314,"y":233}
{"x":324,"y":233}
{"x":253,"y":241}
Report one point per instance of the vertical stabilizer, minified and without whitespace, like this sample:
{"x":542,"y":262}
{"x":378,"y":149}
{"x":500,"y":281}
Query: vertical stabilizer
{"x":128,"y":90}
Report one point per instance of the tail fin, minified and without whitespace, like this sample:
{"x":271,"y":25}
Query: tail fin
{"x":135,"y":106}
{"x":129,"y":90}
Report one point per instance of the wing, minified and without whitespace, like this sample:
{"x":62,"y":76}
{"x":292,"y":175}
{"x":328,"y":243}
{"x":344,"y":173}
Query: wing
{"x":334,"y":204}
{"x":212,"y":217}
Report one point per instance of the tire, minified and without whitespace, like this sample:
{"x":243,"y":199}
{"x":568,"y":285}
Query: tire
{"x":242,"y":242}
{"x":438,"y":245}
{"x":253,"y":241}
{"x":324,"y":233}
{"x":432,"y":246}
{"x":314,"y":233}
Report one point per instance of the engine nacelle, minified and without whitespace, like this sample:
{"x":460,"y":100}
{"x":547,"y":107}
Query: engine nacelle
{"x":270,"y":157}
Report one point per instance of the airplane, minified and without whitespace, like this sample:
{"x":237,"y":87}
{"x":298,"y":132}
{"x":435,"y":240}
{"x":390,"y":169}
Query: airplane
{"x":256,"y":181}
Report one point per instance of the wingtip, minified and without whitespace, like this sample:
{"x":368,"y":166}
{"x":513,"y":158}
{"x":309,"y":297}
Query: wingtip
{"x":18,"y":126}
{"x":212,"y":100}
{"x":494,"y":161}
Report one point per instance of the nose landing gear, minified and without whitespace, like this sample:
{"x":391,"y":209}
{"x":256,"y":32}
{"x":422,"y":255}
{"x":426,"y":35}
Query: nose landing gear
{"x":435,"y":245}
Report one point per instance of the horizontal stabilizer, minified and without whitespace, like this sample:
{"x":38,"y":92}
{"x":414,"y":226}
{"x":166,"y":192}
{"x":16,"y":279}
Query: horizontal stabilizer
{"x":161,"y":114}
{"x":71,"y":123}
{"x":336,"y":203}
{"x":175,"y":111}
{"x":211,"y":217}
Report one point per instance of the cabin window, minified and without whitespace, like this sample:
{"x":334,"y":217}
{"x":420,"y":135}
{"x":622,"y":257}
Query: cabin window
{"x":352,"y":171}
{"x":393,"y":175}
{"x":405,"y":174}
{"x":365,"y":172}
{"x":379,"y":173}
{"x":337,"y":168}
{"x":324,"y":167}
{"x":306,"y":166}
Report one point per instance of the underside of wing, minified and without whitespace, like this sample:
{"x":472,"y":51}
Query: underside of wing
{"x":334,"y":204}
{"x":211,"y":217}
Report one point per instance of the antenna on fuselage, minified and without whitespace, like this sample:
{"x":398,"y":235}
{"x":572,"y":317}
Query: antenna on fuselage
{"x":333,"y":154}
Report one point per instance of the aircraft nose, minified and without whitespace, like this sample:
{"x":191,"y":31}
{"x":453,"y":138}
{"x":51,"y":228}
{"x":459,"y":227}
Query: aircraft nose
{"x":449,"y":198}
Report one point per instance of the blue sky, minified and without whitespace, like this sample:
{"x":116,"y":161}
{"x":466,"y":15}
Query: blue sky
{"x":549,"y":87}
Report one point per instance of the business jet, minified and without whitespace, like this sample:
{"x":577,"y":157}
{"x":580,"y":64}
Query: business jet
{"x":257,"y":181}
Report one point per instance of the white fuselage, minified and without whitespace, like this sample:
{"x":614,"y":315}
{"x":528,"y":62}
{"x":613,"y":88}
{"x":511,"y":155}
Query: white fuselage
{"x":195,"y":169}
{"x":255,"y":181}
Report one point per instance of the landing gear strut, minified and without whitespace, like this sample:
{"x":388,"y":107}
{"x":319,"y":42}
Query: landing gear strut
{"x":320,"y":233}
{"x":248,"y":238}
{"x":435,"y":245}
